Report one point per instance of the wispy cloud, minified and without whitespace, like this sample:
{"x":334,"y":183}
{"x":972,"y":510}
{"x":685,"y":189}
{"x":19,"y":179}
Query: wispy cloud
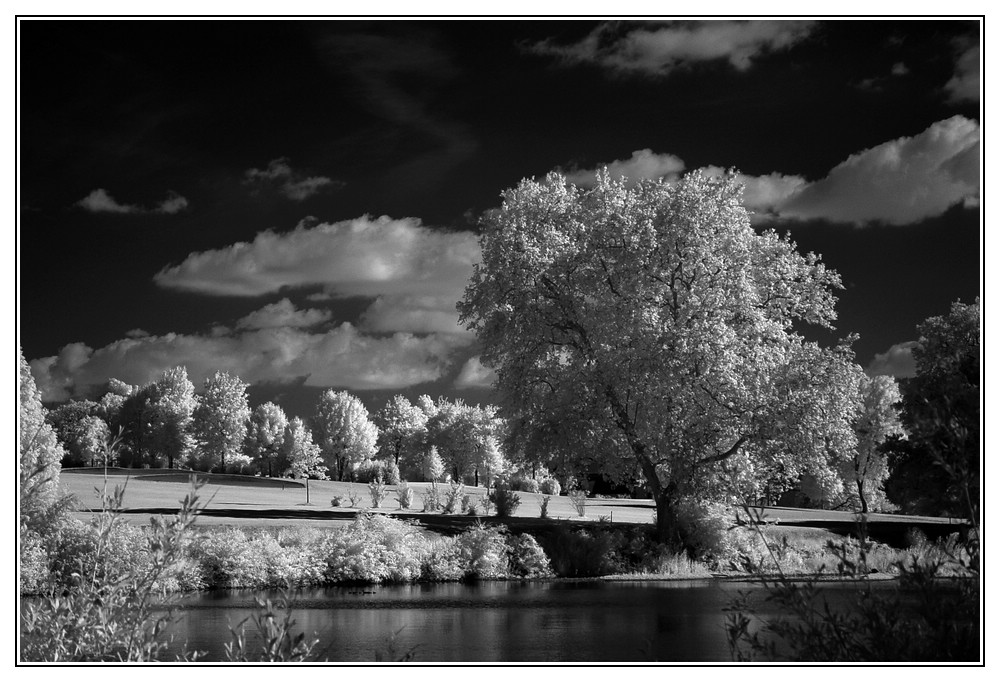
{"x":293,"y":185}
{"x":625,"y":48}
{"x":964,"y":85}
{"x":898,"y":182}
{"x":101,"y":201}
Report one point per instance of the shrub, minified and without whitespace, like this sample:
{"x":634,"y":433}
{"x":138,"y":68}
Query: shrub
{"x":506,"y":500}
{"x":443,"y":561}
{"x":377,"y":490}
{"x":704,"y":528}
{"x":372,"y":469}
{"x":432,"y":498}
{"x":228,"y":558}
{"x":34,"y":564}
{"x":487,"y":501}
{"x":483,"y":551}
{"x":375,"y":549}
{"x":543,"y":505}
{"x":579,"y":554}
{"x":470,"y":505}
{"x":274,"y":635}
{"x":527,"y":559}
{"x":524,"y":484}
{"x":337,"y":501}
{"x":579,"y":500}
{"x":453,"y":497}
{"x":354,"y":497}
{"x":404,"y":495}
{"x":549,"y":486}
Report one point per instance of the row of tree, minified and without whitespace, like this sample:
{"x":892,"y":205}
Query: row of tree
{"x":167,"y":424}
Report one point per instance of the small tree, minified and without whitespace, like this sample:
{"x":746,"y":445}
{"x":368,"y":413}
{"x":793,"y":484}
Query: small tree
{"x":303,"y":456}
{"x":40,"y":451}
{"x":867,"y":469}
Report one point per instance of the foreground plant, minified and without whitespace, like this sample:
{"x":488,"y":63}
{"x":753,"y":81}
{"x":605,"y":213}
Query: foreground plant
{"x":275,"y":641}
{"x":106,"y":617}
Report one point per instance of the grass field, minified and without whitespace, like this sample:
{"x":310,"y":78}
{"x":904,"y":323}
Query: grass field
{"x":253,"y":501}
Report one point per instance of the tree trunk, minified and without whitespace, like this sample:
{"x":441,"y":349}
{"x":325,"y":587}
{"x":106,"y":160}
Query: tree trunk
{"x":861,"y":496}
{"x":477,"y":477}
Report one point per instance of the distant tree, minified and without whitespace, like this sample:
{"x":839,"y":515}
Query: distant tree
{"x":343,"y":431}
{"x":937,"y":469}
{"x":40,"y":450}
{"x":467,"y":438}
{"x":266,"y":436}
{"x":168,"y":416}
{"x":433,"y":467}
{"x":865,"y":472}
{"x":304,"y":458}
{"x":81,"y":432}
{"x":401,"y":431}
{"x":650,"y":331}
{"x":220,"y":420}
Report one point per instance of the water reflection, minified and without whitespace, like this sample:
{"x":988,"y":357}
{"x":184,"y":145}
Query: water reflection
{"x":493,"y":621}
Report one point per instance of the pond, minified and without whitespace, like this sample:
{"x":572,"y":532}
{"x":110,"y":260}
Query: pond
{"x":591,"y":621}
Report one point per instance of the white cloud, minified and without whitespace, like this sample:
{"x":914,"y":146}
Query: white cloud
{"x":658,"y":51}
{"x":897,"y":361}
{"x":898,"y":182}
{"x":100,"y":201}
{"x":643,"y":165}
{"x":418,"y":314}
{"x":964,"y":85}
{"x":289,"y":183}
{"x":341,"y":357}
{"x":360,"y":257}
{"x":283,"y":314}
{"x":174,"y":203}
{"x":475,"y":375}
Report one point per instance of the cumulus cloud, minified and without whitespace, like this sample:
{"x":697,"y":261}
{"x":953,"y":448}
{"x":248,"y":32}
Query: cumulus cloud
{"x":897,"y":361}
{"x":341,"y":357}
{"x":660,"y":50}
{"x":283,"y":314}
{"x":897,"y":182}
{"x":418,"y":314}
{"x":360,"y":257}
{"x":475,"y":375}
{"x":964,"y":85}
{"x":643,"y":165}
{"x":100,"y":201}
{"x":293,"y":185}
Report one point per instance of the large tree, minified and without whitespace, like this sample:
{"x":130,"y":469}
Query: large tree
{"x":40,"y":450}
{"x":82,"y":433}
{"x":266,"y":436}
{"x":343,"y":431}
{"x":220,"y":420}
{"x":649,"y":330}
{"x":937,"y":469}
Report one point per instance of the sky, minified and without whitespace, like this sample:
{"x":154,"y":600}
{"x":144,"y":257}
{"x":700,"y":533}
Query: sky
{"x":296,"y":202}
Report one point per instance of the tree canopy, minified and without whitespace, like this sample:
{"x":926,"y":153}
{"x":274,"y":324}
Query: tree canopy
{"x":343,"y":431}
{"x":220,"y":420}
{"x":648,"y":332}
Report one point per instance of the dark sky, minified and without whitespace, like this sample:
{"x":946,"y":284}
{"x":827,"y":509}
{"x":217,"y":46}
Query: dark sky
{"x":150,"y":150}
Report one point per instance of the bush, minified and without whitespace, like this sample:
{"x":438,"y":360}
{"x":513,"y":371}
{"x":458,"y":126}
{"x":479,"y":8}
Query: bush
{"x":432,"y":498}
{"x":579,"y":500}
{"x":34,"y":563}
{"x":470,"y":505}
{"x":337,"y":501}
{"x":375,"y":549}
{"x":377,"y":490}
{"x":506,"y":500}
{"x":524,"y":484}
{"x":543,"y":505}
{"x":404,"y":495}
{"x":354,"y":497}
{"x":453,"y":497}
{"x":372,"y":469}
{"x":527,"y":559}
{"x":484,"y":552}
{"x":579,"y":554}
{"x":549,"y":486}
{"x":443,"y":561}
